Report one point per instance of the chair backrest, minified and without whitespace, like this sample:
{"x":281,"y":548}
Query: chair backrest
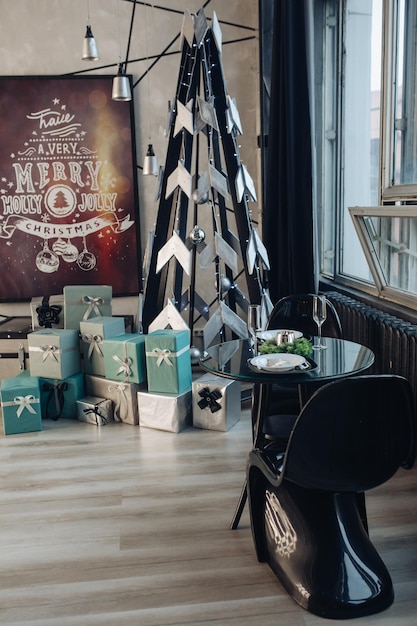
{"x":296,"y":312}
{"x":353,"y":434}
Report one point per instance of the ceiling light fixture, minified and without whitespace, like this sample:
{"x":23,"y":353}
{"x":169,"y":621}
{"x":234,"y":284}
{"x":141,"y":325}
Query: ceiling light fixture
{"x":90,"y":50}
{"x":121,"y":90}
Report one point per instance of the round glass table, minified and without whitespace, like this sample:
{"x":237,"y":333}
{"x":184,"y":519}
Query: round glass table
{"x":231,"y":359}
{"x":340,"y":358}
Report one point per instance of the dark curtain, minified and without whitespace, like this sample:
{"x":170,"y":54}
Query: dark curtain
{"x":288,"y":213}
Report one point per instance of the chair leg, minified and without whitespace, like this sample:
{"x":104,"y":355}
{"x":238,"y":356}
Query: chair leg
{"x":240,"y":507}
{"x":362,"y":511}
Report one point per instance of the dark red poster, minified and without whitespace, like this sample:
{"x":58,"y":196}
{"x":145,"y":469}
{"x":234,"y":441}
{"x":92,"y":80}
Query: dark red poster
{"x":68,"y":187}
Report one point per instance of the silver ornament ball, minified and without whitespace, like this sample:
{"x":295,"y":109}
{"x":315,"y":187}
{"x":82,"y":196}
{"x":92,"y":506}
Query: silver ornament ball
{"x":195,"y":355}
{"x":197,"y":235}
{"x":200,"y":198}
{"x":225,"y":284}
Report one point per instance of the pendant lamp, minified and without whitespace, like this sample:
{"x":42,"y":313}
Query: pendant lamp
{"x":90,"y":50}
{"x":150,"y":163}
{"x":121,"y":86}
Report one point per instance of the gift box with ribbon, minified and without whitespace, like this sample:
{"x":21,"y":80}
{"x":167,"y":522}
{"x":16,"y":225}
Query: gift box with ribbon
{"x":216,"y":402}
{"x":95,"y":410}
{"x":168,"y":361}
{"x":20,"y":403}
{"x":124,"y":358}
{"x":122,"y":394}
{"x":93,"y":332}
{"x":54,"y":353}
{"x":59,"y":397}
{"x":84,"y":302}
{"x":172,"y":413}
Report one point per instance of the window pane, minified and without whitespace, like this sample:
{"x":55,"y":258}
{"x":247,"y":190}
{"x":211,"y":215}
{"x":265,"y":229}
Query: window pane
{"x":389,"y":238}
{"x":405,"y":93}
{"x":361,"y":129}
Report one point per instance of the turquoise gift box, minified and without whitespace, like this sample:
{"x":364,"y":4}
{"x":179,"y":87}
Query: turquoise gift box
{"x":84,"y":302}
{"x":93,"y":332}
{"x":54,"y":353}
{"x":124,"y":358}
{"x":59,"y":397}
{"x":20,"y":403}
{"x":168,"y":361}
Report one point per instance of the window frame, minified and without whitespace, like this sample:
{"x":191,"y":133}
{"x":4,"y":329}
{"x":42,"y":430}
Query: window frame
{"x":394,"y":199}
{"x":358,"y":215}
{"x":391,"y":191}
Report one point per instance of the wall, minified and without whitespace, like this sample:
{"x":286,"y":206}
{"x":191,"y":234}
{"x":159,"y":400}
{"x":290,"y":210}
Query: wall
{"x":45,"y":38}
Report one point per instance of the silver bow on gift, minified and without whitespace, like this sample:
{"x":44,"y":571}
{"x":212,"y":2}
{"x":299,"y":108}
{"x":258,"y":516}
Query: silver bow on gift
{"x":121,"y":408}
{"x":95,"y":343}
{"x":49,"y":351}
{"x":24,"y":402}
{"x":125,"y":365}
{"x":163,"y":356}
{"x":94,"y":304}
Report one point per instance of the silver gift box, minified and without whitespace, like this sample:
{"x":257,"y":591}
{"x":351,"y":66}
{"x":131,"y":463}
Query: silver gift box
{"x":122,"y":394}
{"x":172,"y":413}
{"x":216,"y":402}
{"x":94,"y":410}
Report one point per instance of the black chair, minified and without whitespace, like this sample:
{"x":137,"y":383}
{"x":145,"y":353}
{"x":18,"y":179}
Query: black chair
{"x":351,"y":436}
{"x":294,"y":312}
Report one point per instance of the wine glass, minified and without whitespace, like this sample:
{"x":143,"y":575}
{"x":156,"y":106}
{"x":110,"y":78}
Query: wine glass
{"x":254,"y":325}
{"x":319,"y":316}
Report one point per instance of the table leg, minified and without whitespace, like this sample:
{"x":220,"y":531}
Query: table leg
{"x":259,"y":398}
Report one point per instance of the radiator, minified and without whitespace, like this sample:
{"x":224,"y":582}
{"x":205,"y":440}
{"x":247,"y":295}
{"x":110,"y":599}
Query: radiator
{"x":392,"y":339}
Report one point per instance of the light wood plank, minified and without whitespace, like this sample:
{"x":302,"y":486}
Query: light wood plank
{"x":122,"y":525}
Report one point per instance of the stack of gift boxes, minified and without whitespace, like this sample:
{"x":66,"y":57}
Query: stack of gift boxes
{"x":95,"y":371}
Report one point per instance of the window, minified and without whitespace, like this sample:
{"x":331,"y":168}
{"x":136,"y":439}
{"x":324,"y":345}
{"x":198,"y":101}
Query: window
{"x":370,"y":99}
{"x":390,"y":246}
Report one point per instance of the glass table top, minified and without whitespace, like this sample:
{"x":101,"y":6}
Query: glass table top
{"x":340,"y":358}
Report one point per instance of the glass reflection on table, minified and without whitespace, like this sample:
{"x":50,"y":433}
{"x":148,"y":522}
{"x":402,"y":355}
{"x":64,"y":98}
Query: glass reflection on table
{"x":341,"y":358}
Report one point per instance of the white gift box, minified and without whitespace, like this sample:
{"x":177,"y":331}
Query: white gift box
{"x":172,"y":413}
{"x":216,"y":402}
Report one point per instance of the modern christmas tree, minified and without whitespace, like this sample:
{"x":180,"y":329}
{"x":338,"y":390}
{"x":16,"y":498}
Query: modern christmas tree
{"x":206,"y":261}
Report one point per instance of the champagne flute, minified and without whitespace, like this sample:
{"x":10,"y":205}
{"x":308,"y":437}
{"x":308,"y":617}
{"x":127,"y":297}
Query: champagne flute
{"x":254,"y":325}
{"x":319,"y":316}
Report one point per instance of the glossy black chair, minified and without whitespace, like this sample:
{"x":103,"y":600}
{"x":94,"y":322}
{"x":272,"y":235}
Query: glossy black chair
{"x":351,"y":436}
{"x":294,"y":312}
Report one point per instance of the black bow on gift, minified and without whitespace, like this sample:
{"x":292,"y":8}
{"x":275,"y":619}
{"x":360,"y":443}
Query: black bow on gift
{"x":55,"y":395}
{"x":96,"y":411}
{"x":209,"y":399}
{"x":48,"y":314}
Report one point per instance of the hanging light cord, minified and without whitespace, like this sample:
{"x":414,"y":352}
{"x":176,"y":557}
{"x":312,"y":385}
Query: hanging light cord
{"x":147,"y":70}
{"x":132,"y":19}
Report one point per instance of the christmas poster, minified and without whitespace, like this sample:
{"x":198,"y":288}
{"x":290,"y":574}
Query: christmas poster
{"x":68,"y":187}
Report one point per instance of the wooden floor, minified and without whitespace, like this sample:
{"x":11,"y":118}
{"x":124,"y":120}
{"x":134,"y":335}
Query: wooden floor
{"x":122,"y":525}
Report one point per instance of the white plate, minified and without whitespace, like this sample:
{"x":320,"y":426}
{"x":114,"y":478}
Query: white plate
{"x":270,"y":335}
{"x":279,"y":362}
